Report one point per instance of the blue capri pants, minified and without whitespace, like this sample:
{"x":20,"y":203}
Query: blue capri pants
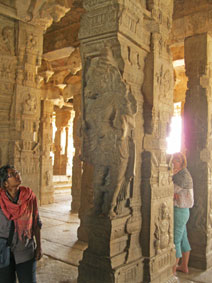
{"x":181,"y":216}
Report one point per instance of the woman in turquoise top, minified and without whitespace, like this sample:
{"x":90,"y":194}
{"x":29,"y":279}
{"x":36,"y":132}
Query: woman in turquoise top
{"x":183,"y":200}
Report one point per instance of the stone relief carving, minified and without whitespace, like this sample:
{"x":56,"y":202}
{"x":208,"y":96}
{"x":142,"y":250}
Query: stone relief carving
{"x":98,"y":21}
{"x":7,"y":69}
{"x":162,"y":229}
{"x":6,"y":41}
{"x":31,"y":41}
{"x":30,"y":104}
{"x":164,"y":80}
{"x":47,"y":177}
{"x":108,"y":140}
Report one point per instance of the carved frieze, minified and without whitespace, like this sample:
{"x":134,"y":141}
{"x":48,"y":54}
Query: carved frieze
{"x":163,"y":261}
{"x":99,"y":21}
{"x":103,"y":18}
{"x":130,"y":273}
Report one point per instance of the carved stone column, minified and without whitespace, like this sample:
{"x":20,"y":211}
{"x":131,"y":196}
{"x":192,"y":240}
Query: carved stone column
{"x":47,"y":192}
{"x":8,"y":64}
{"x":21,"y":42}
{"x":25,"y":106}
{"x":157,"y":188}
{"x":198,"y":141}
{"x":77,"y":163}
{"x":115,"y":43}
{"x":60,"y":161}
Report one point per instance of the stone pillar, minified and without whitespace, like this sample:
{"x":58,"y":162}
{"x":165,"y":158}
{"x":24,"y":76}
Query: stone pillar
{"x":198,"y":126}
{"x":8,"y":65}
{"x":86,"y":200}
{"x":21,"y":45}
{"x":60,"y":161}
{"x":157,"y":188}
{"x":47,"y":192}
{"x":115,"y":43}
{"x":77,"y":163}
{"x":24,"y":116}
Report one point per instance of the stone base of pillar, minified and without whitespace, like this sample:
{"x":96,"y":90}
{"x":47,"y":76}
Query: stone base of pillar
{"x":113,"y":253}
{"x":201,"y":261}
{"x":82,"y":232}
{"x":47,"y":198}
{"x":159,"y":268}
{"x":96,"y":269}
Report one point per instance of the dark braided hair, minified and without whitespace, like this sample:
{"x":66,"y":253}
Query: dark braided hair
{"x":4,"y":174}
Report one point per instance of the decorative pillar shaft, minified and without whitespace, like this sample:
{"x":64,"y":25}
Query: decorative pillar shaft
{"x":22,"y":24}
{"x":157,"y":188}
{"x":198,"y":142}
{"x":112,"y":137}
{"x":47,"y":192}
{"x":117,"y":65}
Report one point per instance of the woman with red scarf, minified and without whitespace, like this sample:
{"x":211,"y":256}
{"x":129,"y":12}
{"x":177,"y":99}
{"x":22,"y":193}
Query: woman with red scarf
{"x":19,"y":212}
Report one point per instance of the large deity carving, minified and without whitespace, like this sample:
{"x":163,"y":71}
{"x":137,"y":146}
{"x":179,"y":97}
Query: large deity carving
{"x":108,"y":123}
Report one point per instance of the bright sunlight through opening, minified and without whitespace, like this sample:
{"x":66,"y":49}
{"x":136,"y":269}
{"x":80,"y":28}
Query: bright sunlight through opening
{"x":174,"y":139}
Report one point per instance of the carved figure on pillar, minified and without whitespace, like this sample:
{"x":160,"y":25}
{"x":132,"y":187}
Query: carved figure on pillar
{"x":6,"y":41}
{"x":162,"y":229}
{"x":108,"y":134}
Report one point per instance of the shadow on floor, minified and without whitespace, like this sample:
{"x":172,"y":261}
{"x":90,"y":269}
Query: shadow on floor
{"x":62,"y":251}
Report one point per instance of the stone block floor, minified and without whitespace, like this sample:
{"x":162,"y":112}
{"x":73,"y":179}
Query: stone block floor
{"x":62,"y":251}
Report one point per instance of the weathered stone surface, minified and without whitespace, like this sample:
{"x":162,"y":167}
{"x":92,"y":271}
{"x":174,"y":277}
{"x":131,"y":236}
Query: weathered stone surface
{"x":198,"y":141}
{"x":111,"y":61}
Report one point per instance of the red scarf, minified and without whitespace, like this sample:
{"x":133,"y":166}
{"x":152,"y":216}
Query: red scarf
{"x":24,"y":213}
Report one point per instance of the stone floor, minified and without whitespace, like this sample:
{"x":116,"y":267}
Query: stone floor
{"x":62,"y":251}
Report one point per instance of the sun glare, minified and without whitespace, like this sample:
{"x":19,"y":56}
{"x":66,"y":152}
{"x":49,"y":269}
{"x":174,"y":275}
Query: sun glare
{"x":174,"y":140}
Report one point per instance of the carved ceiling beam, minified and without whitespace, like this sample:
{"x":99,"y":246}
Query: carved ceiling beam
{"x":62,"y":76}
{"x":188,"y":22}
{"x":37,"y":12}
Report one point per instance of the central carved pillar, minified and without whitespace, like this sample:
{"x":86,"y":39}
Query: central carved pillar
{"x":198,"y":127}
{"x":117,"y":59}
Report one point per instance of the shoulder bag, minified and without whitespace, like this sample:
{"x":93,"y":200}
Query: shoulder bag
{"x":5,"y":244}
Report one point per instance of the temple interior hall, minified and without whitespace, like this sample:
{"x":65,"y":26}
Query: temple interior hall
{"x":95,"y":97}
